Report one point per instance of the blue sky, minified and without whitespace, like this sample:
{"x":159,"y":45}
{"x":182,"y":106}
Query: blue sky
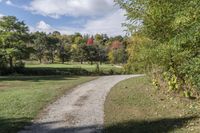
{"x":67,"y":16}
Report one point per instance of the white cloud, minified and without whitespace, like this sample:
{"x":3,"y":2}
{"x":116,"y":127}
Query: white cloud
{"x":57,"y":8}
{"x":43,"y":26}
{"x":104,"y":17}
{"x":110,"y":24}
{"x":8,"y":2}
{"x":1,"y":15}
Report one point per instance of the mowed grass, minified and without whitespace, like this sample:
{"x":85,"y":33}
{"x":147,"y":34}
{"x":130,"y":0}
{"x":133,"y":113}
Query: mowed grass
{"x":22,"y":98}
{"x":133,"y":106}
{"x":105,"y":68}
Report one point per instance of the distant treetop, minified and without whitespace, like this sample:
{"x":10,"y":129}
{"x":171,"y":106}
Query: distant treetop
{"x":116,"y":44}
{"x":90,"y":41}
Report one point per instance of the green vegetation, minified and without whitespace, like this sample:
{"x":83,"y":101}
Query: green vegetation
{"x":13,"y":38}
{"x":22,"y":98}
{"x":166,"y":42}
{"x":133,"y":106}
{"x":17,"y":46}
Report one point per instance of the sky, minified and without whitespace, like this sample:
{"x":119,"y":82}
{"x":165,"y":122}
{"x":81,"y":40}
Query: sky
{"x":67,"y":16}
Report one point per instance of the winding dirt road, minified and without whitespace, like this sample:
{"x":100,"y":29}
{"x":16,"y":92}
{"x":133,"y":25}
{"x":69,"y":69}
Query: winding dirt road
{"x":80,"y":111}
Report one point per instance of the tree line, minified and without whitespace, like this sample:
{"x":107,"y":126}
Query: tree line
{"x":18,"y":44}
{"x":165,"y":41}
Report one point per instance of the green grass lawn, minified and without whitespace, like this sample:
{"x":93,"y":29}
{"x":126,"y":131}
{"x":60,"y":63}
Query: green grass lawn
{"x":71,"y":65}
{"x":22,"y":98}
{"x":104,"y":68}
{"x":133,"y":106}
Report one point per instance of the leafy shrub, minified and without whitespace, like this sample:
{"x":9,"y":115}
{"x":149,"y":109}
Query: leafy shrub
{"x":167,"y":38}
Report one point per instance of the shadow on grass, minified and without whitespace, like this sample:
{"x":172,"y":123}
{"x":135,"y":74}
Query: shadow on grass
{"x":47,"y":71}
{"x":37,"y":78}
{"x":13,"y":125}
{"x":42,"y":71}
{"x":153,"y":126}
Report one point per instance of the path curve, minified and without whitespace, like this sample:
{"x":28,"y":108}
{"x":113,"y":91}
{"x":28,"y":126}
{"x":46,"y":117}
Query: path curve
{"x":80,"y":111}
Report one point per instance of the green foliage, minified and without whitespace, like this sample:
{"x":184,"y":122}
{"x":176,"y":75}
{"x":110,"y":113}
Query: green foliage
{"x":171,"y":81}
{"x":117,"y":56}
{"x":92,"y":53}
{"x":172,"y":30}
{"x":40,"y":41}
{"x":13,"y":36}
{"x":138,"y":60}
{"x":155,"y":83}
{"x":16,"y":44}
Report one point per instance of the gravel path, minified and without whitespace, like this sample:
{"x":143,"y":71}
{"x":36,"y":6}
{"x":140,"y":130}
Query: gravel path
{"x":80,"y":111}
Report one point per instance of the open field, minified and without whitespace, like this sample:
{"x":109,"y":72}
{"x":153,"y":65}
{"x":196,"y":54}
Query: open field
{"x":23,"y":97}
{"x":133,"y":106}
{"x":90,"y":68}
{"x":64,"y":69}
{"x":70,"y":69}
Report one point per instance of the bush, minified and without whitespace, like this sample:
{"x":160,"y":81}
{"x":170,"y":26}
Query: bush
{"x":167,"y":39}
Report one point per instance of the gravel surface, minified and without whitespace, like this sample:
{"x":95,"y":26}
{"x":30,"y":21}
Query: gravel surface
{"x":80,"y":111}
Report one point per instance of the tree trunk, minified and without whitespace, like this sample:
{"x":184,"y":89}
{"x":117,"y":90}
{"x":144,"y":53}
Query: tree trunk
{"x":40,"y":60}
{"x":52,"y":58}
{"x":63,"y":60}
{"x":11,"y":61}
{"x":97,"y":67}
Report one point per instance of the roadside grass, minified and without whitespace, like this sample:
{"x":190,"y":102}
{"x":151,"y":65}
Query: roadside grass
{"x":23,"y":97}
{"x":133,"y":106}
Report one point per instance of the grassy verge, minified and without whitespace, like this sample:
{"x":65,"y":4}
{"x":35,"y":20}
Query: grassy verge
{"x":133,"y":106}
{"x":22,"y":98}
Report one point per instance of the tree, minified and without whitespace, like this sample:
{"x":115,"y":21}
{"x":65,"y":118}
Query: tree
{"x":13,"y":38}
{"x":172,"y":28}
{"x":91,"y":53}
{"x":40,"y":42}
{"x":64,"y":48}
{"x":77,"y":51}
{"x":98,"y":38}
{"x":117,"y":56}
{"x":117,"y":51}
{"x":51,"y":46}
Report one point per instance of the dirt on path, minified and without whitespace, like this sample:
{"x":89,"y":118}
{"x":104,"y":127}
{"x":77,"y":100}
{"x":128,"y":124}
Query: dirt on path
{"x":80,"y":111}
